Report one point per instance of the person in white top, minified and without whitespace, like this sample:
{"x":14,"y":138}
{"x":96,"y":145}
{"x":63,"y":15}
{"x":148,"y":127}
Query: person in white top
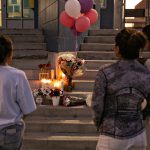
{"x":16,"y":99}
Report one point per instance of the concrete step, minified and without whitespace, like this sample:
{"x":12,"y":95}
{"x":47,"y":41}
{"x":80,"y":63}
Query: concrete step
{"x":83,"y":85}
{"x":96,"y":55}
{"x":28,"y":63}
{"x":30,"y":46}
{"x":32,"y":74}
{"x":103,"y":55}
{"x":88,"y":75}
{"x":96,"y":64}
{"x":27,"y":38}
{"x":80,"y":85}
{"x":30,"y":54}
{"x":61,"y":112}
{"x":21,"y":31}
{"x":99,"y":39}
{"x":42,"y":141}
{"x":96,"y":47}
{"x":78,"y":94}
{"x":101,"y":32}
{"x":60,"y":125}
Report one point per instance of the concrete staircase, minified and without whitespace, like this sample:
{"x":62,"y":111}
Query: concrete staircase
{"x":97,"y":50}
{"x":60,"y":128}
{"x":30,"y":50}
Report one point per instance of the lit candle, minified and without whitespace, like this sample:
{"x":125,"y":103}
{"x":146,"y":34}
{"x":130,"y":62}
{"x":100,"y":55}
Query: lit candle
{"x":51,"y":85}
{"x":62,"y":84}
{"x":43,"y":81}
{"x":57,"y":84}
{"x":46,"y":83}
{"x":52,"y":74}
{"x":63,"y":75}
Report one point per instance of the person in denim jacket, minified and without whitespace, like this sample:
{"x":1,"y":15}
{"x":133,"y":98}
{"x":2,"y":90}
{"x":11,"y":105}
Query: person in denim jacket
{"x":118,"y":94}
{"x":16,"y":99}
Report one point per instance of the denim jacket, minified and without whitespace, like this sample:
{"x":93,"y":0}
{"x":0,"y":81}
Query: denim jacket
{"x":118,"y":93}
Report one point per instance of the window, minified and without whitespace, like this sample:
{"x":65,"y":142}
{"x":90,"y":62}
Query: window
{"x":20,"y":9}
{"x":13,"y":8}
{"x":102,"y":3}
{"x":28,"y":8}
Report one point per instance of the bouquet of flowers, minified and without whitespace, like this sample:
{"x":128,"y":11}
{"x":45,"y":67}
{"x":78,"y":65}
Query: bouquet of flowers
{"x":40,"y":92}
{"x":46,"y":94}
{"x":71,"y":66}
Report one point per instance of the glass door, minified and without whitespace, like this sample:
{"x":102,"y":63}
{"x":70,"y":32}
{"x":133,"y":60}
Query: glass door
{"x":20,"y":14}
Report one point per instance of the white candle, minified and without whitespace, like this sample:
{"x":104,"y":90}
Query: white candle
{"x":43,"y":81}
{"x":57,"y":84}
{"x":52,"y":74}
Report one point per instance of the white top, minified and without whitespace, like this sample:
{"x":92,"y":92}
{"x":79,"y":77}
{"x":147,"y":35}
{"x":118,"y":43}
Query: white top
{"x":16,"y":97}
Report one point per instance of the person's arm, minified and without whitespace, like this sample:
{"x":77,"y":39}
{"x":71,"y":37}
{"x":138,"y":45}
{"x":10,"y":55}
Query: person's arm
{"x":98,"y":97}
{"x":25,"y":98}
{"x":146,"y":111}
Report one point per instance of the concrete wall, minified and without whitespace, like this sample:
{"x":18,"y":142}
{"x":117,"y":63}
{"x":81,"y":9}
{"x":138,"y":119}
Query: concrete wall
{"x":48,"y":21}
{"x":58,"y":37}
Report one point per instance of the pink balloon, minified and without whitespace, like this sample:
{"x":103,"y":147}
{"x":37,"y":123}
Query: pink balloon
{"x":82,"y":24}
{"x":92,"y":15}
{"x":66,"y":20}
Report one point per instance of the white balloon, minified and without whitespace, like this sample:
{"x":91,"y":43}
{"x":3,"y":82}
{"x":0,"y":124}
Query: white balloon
{"x":73,"y":8}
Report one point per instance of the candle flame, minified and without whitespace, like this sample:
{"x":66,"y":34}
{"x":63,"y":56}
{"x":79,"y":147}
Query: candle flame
{"x":46,"y":81}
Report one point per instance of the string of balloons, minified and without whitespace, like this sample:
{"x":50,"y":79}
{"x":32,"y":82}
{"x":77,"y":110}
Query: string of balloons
{"x":78,"y":15}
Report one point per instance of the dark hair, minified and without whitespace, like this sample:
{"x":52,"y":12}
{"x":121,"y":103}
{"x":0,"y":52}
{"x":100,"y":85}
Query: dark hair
{"x":130,"y":42}
{"x":5,"y":48}
{"x":146,"y":31}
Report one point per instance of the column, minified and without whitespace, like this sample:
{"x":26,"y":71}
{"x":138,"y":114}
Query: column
{"x":118,"y":14}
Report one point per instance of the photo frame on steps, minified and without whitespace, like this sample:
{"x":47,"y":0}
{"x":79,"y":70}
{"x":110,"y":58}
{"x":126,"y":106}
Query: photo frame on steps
{"x":103,"y":3}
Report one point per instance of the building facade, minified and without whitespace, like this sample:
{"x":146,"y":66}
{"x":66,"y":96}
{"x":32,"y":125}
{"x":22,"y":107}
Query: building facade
{"x":44,"y":14}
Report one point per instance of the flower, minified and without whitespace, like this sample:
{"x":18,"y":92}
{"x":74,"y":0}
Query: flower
{"x":70,"y":65}
{"x":47,"y":92}
{"x":55,"y":92}
{"x":44,"y":66}
{"x":40,"y":92}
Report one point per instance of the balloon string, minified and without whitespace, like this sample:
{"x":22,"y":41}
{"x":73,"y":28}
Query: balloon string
{"x":76,"y":44}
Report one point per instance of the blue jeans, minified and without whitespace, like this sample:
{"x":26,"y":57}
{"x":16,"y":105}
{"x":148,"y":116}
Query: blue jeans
{"x":11,"y":137}
{"x":138,"y":142}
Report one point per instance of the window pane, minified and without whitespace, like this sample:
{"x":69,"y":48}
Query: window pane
{"x":14,"y":8}
{"x":28,"y":9}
